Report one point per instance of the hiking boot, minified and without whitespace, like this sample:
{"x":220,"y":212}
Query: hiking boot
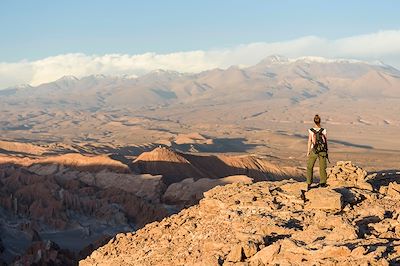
{"x":323,"y":185}
{"x":308,"y":187}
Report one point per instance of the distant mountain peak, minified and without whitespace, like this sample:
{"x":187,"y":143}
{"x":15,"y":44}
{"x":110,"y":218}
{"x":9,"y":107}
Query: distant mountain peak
{"x":282,"y":60}
{"x":274,"y":59}
{"x":23,"y":86}
{"x":126,"y":76}
{"x":68,"y":78}
{"x":99,"y":76}
{"x":163,"y":71}
{"x":324,"y":60}
{"x":279,"y":59}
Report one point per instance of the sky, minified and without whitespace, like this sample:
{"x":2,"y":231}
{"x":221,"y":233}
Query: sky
{"x":41,"y":41}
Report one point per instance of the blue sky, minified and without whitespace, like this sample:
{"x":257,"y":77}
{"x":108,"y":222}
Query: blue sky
{"x":37,"y":29}
{"x":41,"y":41}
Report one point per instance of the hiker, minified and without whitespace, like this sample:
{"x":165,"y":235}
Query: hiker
{"x":317,"y":148}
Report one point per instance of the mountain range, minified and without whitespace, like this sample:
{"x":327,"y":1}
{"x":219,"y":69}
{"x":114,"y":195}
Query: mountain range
{"x":358,"y":101}
{"x":273,"y":78}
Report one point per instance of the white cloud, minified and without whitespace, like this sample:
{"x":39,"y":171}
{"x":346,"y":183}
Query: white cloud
{"x":383,"y":45}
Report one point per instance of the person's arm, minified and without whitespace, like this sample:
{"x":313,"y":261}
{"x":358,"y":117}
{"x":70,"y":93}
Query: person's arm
{"x":309,"y":144}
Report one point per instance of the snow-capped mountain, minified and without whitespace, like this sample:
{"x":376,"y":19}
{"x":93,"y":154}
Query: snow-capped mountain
{"x":275,"y":77}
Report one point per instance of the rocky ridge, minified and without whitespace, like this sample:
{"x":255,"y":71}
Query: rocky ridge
{"x":273,"y":223}
{"x":176,"y":166}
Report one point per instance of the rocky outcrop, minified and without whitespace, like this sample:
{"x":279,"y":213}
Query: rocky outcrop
{"x":176,"y":166}
{"x":392,"y":190}
{"x":324,"y":199}
{"x":52,"y":164}
{"x":267,"y":223}
{"x":23,"y":148}
{"x":344,"y":173}
{"x":189,"y":191}
{"x":149,"y":187}
{"x":173,"y":166}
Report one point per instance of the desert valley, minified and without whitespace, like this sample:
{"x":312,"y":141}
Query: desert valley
{"x":205,"y":168}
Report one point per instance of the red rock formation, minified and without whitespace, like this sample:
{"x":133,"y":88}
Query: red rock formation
{"x":92,"y":163}
{"x":175,"y":166}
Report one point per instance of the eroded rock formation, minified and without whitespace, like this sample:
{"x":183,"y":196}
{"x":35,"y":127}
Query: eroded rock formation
{"x":176,"y":166}
{"x":63,"y":200}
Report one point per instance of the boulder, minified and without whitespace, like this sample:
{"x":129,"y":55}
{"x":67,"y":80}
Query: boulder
{"x":364,"y":185}
{"x":236,"y":254}
{"x":334,"y":252}
{"x":342,"y":232}
{"x":189,"y":191}
{"x":249,"y":249}
{"x":371,"y":212}
{"x":265,"y":255}
{"x":358,"y":251}
{"x":324,"y":199}
{"x":295,"y":189}
{"x":393,"y":190}
{"x":397,"y":230}
{"x":310,"y":234}
{"x":381,"y":227}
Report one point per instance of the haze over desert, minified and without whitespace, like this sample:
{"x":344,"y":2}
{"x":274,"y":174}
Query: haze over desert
{"x":124,"y":143}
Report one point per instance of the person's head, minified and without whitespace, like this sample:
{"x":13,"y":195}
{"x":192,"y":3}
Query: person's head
{"x":317,"y":120}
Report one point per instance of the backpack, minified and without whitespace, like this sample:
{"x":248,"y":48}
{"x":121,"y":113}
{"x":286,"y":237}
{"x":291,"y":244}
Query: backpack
{"x":320,"y":144}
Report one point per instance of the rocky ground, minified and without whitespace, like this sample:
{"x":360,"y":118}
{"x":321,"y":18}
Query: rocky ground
{"x":354,"y":221}
{"x":59,"y":208}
